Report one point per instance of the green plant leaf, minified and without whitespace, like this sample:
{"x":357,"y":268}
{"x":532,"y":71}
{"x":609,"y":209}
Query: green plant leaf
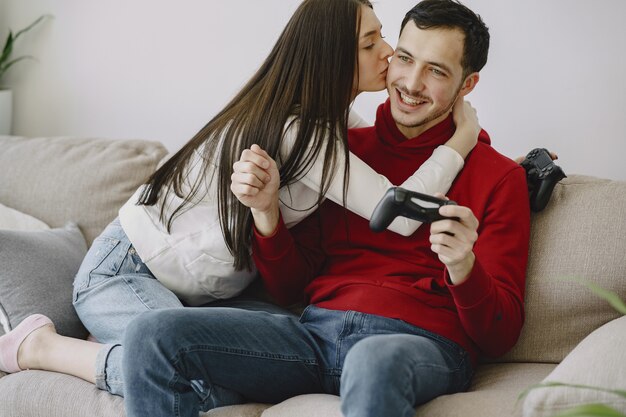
{"x":13,"y":62}
{"x":609,"y":296}
{"x":8,"y":48}
{"x":29,"y":27}
{"x":550,"y":384}
{"x":591,"y":410}
{"x":618,"y":392}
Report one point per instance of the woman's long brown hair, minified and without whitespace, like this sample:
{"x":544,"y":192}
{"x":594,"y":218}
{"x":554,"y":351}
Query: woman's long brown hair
{"x":309,"y":74}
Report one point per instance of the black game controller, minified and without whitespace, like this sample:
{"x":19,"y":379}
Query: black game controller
{"x":542,"y":174}
{"x":398,"y":201}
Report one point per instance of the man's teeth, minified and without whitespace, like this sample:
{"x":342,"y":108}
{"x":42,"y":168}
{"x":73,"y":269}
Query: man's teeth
{"x":408,"y":100}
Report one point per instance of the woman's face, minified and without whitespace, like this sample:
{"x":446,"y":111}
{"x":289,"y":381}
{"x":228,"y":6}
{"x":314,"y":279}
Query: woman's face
{"x":374,"y":54}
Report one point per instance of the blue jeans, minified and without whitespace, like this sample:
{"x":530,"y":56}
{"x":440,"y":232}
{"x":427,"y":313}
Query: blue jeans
{"x":112,"y":287}
{"x":379,"y":366}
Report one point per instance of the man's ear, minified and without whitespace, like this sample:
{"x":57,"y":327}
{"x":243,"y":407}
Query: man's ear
{"x":469,"y":84}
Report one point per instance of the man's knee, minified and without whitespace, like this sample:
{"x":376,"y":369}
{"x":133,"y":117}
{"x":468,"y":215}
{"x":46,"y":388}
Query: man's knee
{"x":375,"y":358}
{"x":383,"y":358}
{"x":150,"y":326}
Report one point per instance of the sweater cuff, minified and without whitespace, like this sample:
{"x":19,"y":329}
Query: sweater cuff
{"x":447,"y":156}
{"x":472,"y":291}
{"x":275,"y":245}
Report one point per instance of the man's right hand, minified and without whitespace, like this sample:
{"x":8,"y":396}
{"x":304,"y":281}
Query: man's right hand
{"x":255,"y":182}
{"x":453,"y":240}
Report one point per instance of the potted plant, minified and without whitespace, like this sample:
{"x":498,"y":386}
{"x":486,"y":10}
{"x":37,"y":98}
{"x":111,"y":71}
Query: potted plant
{"x":6,"y":62}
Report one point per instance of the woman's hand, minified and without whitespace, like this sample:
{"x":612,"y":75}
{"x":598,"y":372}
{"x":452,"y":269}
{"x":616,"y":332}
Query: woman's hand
{"x":255,"y":181}
{"x":520,"y":159}
{"x":467,"y":128}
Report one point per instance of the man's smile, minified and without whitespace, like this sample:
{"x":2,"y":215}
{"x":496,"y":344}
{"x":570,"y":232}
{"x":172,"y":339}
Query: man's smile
{"x":411,"y":101}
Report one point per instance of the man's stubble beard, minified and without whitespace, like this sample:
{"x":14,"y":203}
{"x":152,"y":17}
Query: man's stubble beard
{"x":435,"y":116}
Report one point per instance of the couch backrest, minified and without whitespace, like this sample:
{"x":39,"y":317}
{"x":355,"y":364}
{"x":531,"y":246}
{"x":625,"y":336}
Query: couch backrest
{"x":581,"y":233}
{"x":83,"y":180}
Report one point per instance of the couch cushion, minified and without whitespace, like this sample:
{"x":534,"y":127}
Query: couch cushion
{"x":74,"y":179}
{"x":579,"y":234}
{"x":11,"y":219}
{"x":308,"y":405}
{"x":598,"y":361}
{"x":51,"y":394}
{"x":493,"y":393}
{"x":37,"y":269}
{"x":243,"y":410}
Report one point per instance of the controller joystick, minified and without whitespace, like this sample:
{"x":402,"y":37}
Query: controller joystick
{"x":398,"y":201}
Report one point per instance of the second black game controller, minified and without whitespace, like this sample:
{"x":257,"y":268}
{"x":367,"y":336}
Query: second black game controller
{"x":542,"y":174}
{"x":398,"y":201}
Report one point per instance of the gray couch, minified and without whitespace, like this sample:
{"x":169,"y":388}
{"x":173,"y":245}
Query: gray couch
{"x":570,"y":334}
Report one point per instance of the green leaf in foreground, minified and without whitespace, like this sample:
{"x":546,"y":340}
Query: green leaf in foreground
{"x":611,"y":297}
{"x":591,"y":410}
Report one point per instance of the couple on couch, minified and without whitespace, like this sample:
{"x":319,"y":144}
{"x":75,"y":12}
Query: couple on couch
{"x":393,"y":320}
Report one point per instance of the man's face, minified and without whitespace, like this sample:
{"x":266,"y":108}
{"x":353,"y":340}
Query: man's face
{"x":425,"y":77}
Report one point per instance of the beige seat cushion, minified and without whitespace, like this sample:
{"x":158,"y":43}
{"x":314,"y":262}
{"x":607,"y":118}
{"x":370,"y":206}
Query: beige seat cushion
{"x":58,"y":179}
{"x":309,"y":405}
{"x":494,"y":393}
{"x":598,"y":361}
{"x":50,"y":394}
{"x":579,"y":234}
{"x":47,"y":394}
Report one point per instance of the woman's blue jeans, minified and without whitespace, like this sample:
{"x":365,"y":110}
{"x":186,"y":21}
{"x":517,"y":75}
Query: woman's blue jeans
{"x":112,"y":287}
{"x":178,"y":362}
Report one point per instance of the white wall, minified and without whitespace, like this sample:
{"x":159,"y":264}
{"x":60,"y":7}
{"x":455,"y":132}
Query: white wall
{"x":159,"y":70}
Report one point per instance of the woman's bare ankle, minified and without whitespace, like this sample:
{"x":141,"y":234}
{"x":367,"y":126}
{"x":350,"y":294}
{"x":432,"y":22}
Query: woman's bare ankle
{"x":31,"y":350}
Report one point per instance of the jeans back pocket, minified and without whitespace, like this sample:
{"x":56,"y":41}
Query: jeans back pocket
{"x":103,"y":260}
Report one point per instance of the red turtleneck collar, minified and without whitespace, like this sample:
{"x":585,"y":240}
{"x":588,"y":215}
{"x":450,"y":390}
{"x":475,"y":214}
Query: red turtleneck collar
{"x":437,"y":135}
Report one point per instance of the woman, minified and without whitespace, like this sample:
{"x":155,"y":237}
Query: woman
{"x":184,"y":236}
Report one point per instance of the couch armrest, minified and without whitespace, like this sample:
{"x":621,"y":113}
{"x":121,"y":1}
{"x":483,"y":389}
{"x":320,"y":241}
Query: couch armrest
{"x":598,"y":361}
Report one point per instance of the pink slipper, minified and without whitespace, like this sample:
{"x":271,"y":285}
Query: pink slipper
{"x":10,"y":342}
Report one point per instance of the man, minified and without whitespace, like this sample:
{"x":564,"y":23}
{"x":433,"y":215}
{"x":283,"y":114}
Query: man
{"x":392,"y":321}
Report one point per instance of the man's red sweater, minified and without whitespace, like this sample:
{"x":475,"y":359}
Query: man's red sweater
{"x":335,"y":261}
